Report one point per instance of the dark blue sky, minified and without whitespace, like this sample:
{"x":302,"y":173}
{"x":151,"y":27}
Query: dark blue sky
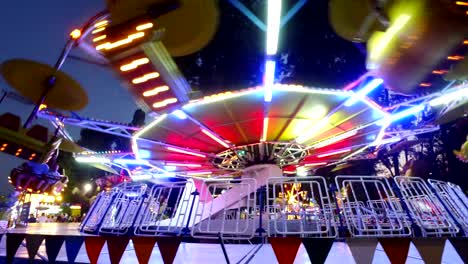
{"x":38,"y":30}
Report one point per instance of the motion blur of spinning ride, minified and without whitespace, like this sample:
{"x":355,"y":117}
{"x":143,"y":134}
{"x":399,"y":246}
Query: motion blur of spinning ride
{"x":415,"y":48}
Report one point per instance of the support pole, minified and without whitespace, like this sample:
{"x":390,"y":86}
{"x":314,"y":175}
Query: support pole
{"x":186,"y":229}
{"x":221,"y":242}
{"x":261,"y":193}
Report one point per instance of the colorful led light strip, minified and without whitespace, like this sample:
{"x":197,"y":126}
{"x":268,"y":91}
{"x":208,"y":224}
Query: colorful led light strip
{"x":188,"y":165}
{"x":99,"y":38}
{"x":391,"y":32}
{"x":336,"y":152}
{"x":156,"y":91}
{"x":131,"y":161}
{"x":186,"y":152}
{"x":144,"y":26}
{"x":101,"y":23}
{"x":129,"y":39}
{"x":355,"y":153}
{"x":273,"y":26}
{"x":215,"y":138}
{"x":145,"y":77}
{"x":92,"y":160}
{"x":265,"y":129}
{"x":180,"y":114}
{"x":335,"y":139}
{"x":197,"y":173}
{"x":369,"y":87}
{"x":400,"y":115}
{"x":269,"y":79}
{"x":134,"y":64}
{"x":446,"y":98}
{"x":314,"y":164}
{"x":144,"y":130}
{"x":165,"y":102}
{"x":384,"y":141}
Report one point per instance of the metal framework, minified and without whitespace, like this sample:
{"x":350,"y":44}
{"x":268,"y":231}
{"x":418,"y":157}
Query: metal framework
{"x":279,"y":153}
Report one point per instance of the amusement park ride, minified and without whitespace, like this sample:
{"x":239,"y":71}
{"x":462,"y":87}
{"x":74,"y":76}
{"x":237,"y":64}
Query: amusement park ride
{"x":224,"y":148}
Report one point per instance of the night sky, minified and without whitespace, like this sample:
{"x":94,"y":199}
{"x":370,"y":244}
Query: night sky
{"x":310,"y":54}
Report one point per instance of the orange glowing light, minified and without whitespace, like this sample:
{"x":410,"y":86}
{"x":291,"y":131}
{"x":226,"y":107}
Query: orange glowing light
{"x":75,"y":34}
{"x":101,"y":23}
{"x":129,"y":39}
{"x":29,"y":190}
{"x":466,"y":41}
{"x":134,"y":64}
{"x":42,"y":106}
{"x":2,"y":149}
{"x":156,"y":90}
{"x":99,"y":38}
{"x":165,"y":102}
{"x":461,"y":3}
{"x":146,"y":77}
{"x":144,"y":26}
{"x":425,"y":84}
{"x":455,"y":57}
{"x":4,"y":145}
{"x":98,"y":30}
{"x":34,"y":154}
{"x":439,"y":72}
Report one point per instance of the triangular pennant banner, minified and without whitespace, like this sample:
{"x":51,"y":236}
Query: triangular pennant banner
{"x":143,"y":248}
{"x":52,"y":246}
{"x":168,"y":247}
{"x":94,"y":246}
{"x":460,"y":244}
{"x":285,"y":248}
{"x":317,"y":248}
{"x":430,"y":249}
{"x":72,"y":247}
{"x":396,"y":248}
{"x":33,"y":242}
{"x":13,"y":241}
{"x":362,"y":249}
{"x":116,"y":246}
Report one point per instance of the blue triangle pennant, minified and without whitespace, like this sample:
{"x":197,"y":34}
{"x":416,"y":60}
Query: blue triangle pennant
{"x":72,"y":246}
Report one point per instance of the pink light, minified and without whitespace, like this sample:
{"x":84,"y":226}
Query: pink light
{"x":336,"y":139}
{"x":195,"y":173}
{"x":334,"y":153}
{"x":314,"y":163}
{"x":186,"y":152}
{"x":184,"y":165}
{"x":215,"y":138}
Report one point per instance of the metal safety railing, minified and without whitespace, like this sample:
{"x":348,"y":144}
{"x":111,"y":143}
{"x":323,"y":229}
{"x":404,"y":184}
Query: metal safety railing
{"x":226,"y":209}
{"x":101,"y":204}
{"x":121,"y":215}
{"x":359,"y":206}
{"x":300,"y":206}
{"x":454,"y":200}
{"x":166,"y":209}
{"x":370,"y":207}
{"x":426,"y":208}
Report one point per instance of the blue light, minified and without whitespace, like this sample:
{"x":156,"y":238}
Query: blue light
{"x":364,"y":91}
{"x":400,"y":115}
{"x":269,"y":79}
{"x":180,"y":114}
{"x":144,"y":154}
{"x":170,"y":168}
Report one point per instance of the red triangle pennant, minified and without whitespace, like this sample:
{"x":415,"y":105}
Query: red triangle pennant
{"x":168,"y":247}
{"x":94,"y":246}
{"x":116,"y":246}
{"x":430,"y":249}
{"x":460,"y":244}
{"x":362,"y":249}
{"x":143,"y":248}
{"x":396,"y":248}
{"x":285,"y":248}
